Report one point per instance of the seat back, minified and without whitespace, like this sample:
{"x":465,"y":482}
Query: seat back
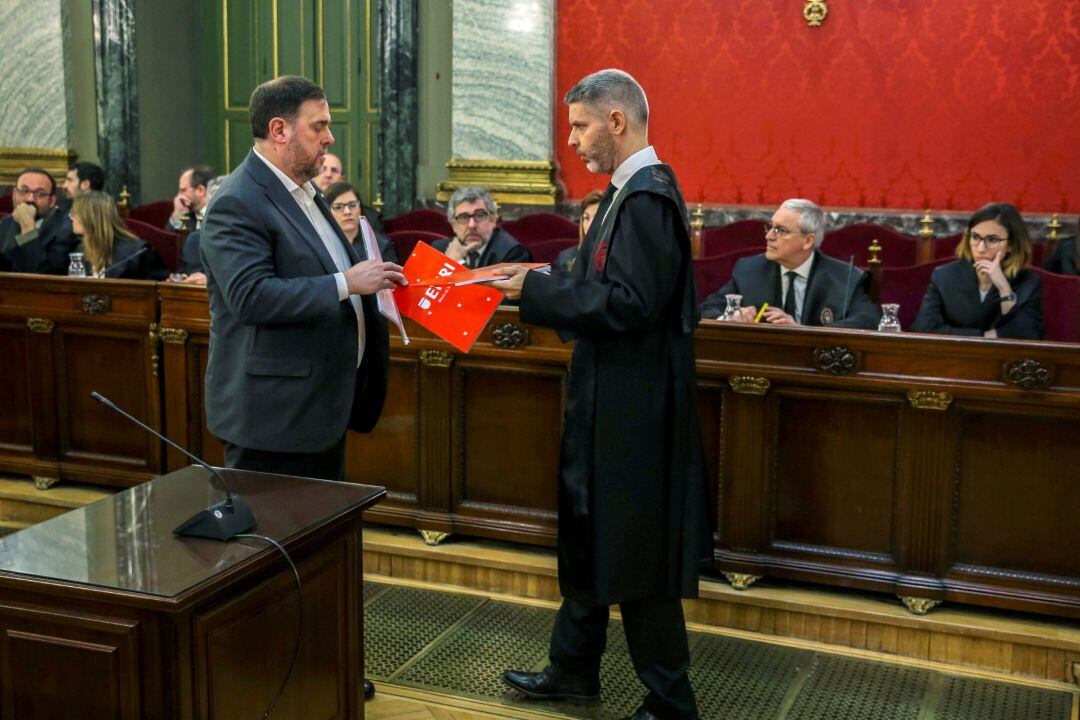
{"x":945,"y":247}
{"x":405,"y":240}
{"x":711,"y":273}
{"x":1061,"y":305}
{"x":906,"y":286}
{"x":897,"y":250}
{"x":739,"y":235}
{"x":156,"y":213}
{"x":425,"y":219}
{"x":548,"y":250}
{"x":6,"y":204}
{"x":540,"y":227}
{"x":166,"y":244}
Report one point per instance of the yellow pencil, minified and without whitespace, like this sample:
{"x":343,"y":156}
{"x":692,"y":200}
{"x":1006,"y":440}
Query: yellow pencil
{"x":761,"y":312}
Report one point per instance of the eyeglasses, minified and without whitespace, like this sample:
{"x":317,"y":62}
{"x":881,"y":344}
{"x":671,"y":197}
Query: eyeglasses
{"x":331,"y":168}
{"x":343,"y":206}
{"x":990,"y":241}
{"x":39,"y":194}
{"x":780,"y":230}
{"x":479,"y":216}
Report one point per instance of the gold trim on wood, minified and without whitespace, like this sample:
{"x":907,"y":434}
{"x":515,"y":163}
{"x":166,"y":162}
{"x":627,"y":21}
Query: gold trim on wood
{"x":918,"y":606}
{"x":40,"y":325}
{"x":745,"y":385}
{"x":436,"y":358}
{"x":433,"y":537}
{"x":523,"y":182}
{"x":154,"y":336}
{"x":13,"y":160}
{"x":929,"y":400}
{"x":741,"y":581}
{"x":44,"y":483}
{"x":173,"y":336}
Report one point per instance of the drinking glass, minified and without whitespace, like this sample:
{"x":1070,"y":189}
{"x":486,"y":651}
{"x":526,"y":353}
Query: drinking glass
{"x":734,"y":304}
{"x":76,"y":265}
{"x":890,"y":321}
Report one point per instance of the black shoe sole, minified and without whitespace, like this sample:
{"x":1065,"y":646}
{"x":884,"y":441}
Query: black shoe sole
{"x":552,"y":696}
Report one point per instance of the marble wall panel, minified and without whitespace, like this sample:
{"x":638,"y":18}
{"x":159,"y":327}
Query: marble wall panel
{"x":503,"y":79}
{"x":34,"y":96}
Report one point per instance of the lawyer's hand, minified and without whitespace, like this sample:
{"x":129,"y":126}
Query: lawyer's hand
{"x":458,"y":251}
{"x":195,"y":278}
{"x":371,"y":276}
{"x":776,"y":316}
{"x":511,"y":286}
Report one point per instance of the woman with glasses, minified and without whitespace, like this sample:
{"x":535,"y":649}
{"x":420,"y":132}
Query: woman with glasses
{"x":989,"y":290}
{"x":347,"y":208}
{"x":589,"y":205}
{"x":108,"y":247}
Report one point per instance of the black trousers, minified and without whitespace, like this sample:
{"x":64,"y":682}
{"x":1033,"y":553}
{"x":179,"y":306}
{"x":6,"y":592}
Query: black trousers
{"x":326,"y":465}
{"x":656,"y":635}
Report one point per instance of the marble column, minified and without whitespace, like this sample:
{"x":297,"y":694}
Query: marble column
{"x":117,"y":98}
{"x":503,"y":99}
{"x":36,"y":106}
{"x":398,"y":105}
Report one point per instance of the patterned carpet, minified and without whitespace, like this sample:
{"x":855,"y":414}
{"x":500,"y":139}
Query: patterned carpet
{"x":459,"y":645}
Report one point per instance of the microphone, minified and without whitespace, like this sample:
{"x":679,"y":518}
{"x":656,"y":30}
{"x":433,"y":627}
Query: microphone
{"x":847,"y":285}
{"x":221,"y":521}
{"x":105,"y":272}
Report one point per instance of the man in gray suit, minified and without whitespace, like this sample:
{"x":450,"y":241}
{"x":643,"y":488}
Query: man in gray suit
{"x":298,"y":350}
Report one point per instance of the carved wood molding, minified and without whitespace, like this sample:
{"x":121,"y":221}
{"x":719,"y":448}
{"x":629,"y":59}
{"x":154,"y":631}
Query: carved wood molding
{"x":836,"y":360}
{"x":741,"y":581}
{"x":436,"y":358}
{"x":40,"y":325}
{"x":510,"y":336}
{"x":746,"y":385}
{"x":919,"y":606}
{"x":433,"y":537}
{"x":1029,"y":374}
{"x":173,"y":336}
{"x":929,"y":400}
{"x":95,"y":304}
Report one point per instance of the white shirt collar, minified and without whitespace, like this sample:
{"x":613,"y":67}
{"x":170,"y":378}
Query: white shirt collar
{"x":803,"y":270}
{"x":625,"y":171}
{"x":287,"y":181}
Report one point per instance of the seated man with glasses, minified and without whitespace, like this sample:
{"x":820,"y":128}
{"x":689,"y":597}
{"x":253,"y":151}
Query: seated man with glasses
{"x":989,"y":291}
{"x":477,"y":242}
{"x":36,"y":237}
{"x":801,"y":284}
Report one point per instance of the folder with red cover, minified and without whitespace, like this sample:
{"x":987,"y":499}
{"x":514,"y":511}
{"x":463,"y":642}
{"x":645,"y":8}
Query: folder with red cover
{"x":484,"y":274}
{"x":456,"y":313}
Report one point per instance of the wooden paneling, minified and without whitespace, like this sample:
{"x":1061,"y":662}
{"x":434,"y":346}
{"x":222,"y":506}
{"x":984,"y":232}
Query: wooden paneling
{"x":16,"y":426}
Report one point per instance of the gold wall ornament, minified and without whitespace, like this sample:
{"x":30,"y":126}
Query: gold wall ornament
{"x":745,"y":385}
{"x":173,"y":336}
{"x":433,"y":537}
{"x":13,"y":160}
{"x":436,"y":358}
{"x":918,"y":606}
{"x":40,"y":325}
{"x":741,"y":581}
{"x":815,"y":12}
{"x":521,"y":182}
{"x":929,"y":400}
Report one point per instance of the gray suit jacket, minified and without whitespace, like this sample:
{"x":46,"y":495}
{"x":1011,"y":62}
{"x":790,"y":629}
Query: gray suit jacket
{"x":282,"y":372}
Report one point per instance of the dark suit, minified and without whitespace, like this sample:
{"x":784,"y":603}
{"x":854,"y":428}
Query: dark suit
{"x":951,"y":305}
{"x":133,"y":259}
{"x":1063,"y":261}
{"x":501,"y":248}
{"x":282,"y":378}
{"x":757,"y":279}
{"x":190,"y":258}
{"x":46,"y":253}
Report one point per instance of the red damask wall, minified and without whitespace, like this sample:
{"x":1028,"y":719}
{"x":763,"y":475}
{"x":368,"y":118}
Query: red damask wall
{"x":946,"y":104}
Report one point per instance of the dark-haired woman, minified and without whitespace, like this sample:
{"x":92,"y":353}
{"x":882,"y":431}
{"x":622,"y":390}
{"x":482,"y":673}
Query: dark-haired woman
{"x":345,"y":204}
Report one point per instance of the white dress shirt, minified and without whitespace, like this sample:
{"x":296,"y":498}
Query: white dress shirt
{"x":305,"y":198}
{"x":802,"y":276}
{"x":642,"y":158}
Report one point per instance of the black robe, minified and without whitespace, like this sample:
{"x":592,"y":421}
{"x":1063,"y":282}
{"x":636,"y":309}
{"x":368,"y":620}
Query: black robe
{"x":951,"y":305}
{"x":633,"y":508}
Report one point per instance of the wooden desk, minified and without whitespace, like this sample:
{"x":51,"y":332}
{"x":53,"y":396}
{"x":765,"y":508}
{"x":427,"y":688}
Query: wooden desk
{"x":104,"y":614}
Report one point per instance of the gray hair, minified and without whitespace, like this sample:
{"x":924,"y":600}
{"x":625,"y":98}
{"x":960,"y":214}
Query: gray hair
{"x":468,"y":194}
{"x":214,"y":185}
{"x":811,"y":218}
{"x":612,"y":88}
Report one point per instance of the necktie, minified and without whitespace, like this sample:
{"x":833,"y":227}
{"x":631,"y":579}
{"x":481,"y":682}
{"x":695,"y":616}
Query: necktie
{"x":473,"y":260}
{"x":789,"y":296}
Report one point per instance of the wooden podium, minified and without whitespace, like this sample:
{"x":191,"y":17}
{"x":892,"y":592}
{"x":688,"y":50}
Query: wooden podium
{"x":105,"y":614}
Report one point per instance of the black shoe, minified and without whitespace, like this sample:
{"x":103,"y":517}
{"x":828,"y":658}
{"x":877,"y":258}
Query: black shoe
{"x":369,"y":689}
{"x":553,"y":683}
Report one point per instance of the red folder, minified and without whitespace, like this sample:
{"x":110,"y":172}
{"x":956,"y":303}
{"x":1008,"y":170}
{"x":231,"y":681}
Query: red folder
{"x":484,"y":274}
{"x":456,"y":313}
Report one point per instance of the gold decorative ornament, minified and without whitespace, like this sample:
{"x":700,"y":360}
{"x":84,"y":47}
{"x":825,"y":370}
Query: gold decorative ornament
{"x":44,"y":483}
{"x":929,"y":400}
{"x":927,"y":229}
{"x":919,"y":606}
{"x":40,"y":325}
{"x":697,"y":219}
{"x":436,"y":358}
{"x":741,"y":581}
{"x":745,"y":385}
{"x":173,"y":336}
{"x":153,"y":333}
{"x":815,"y":12}
{"x":13,"y":160}
{"x":125,"y":199}
{"x":1053,"y":226}
{"x":875,"y":252}
{"x":521,"y":182}
{"x":433,"y":537}
{"x":378,"y":204}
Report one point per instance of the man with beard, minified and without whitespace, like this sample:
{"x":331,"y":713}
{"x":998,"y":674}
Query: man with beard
{"x":632,"y":500}
{"x":477,"y":240}
{"x":36,"y":237}
{"x":192,"y":197}
{"x":83,"y":177}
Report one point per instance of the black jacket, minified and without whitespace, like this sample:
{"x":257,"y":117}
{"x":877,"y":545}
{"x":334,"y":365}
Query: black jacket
{"x":757,"y":279}
{"x":502,"y":247}
{"x":190,"y":259}
{"x":951,"y":305}
{"x":132,"y":259}
{"x":47,"y":253}
{"x":1063,"y":261}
